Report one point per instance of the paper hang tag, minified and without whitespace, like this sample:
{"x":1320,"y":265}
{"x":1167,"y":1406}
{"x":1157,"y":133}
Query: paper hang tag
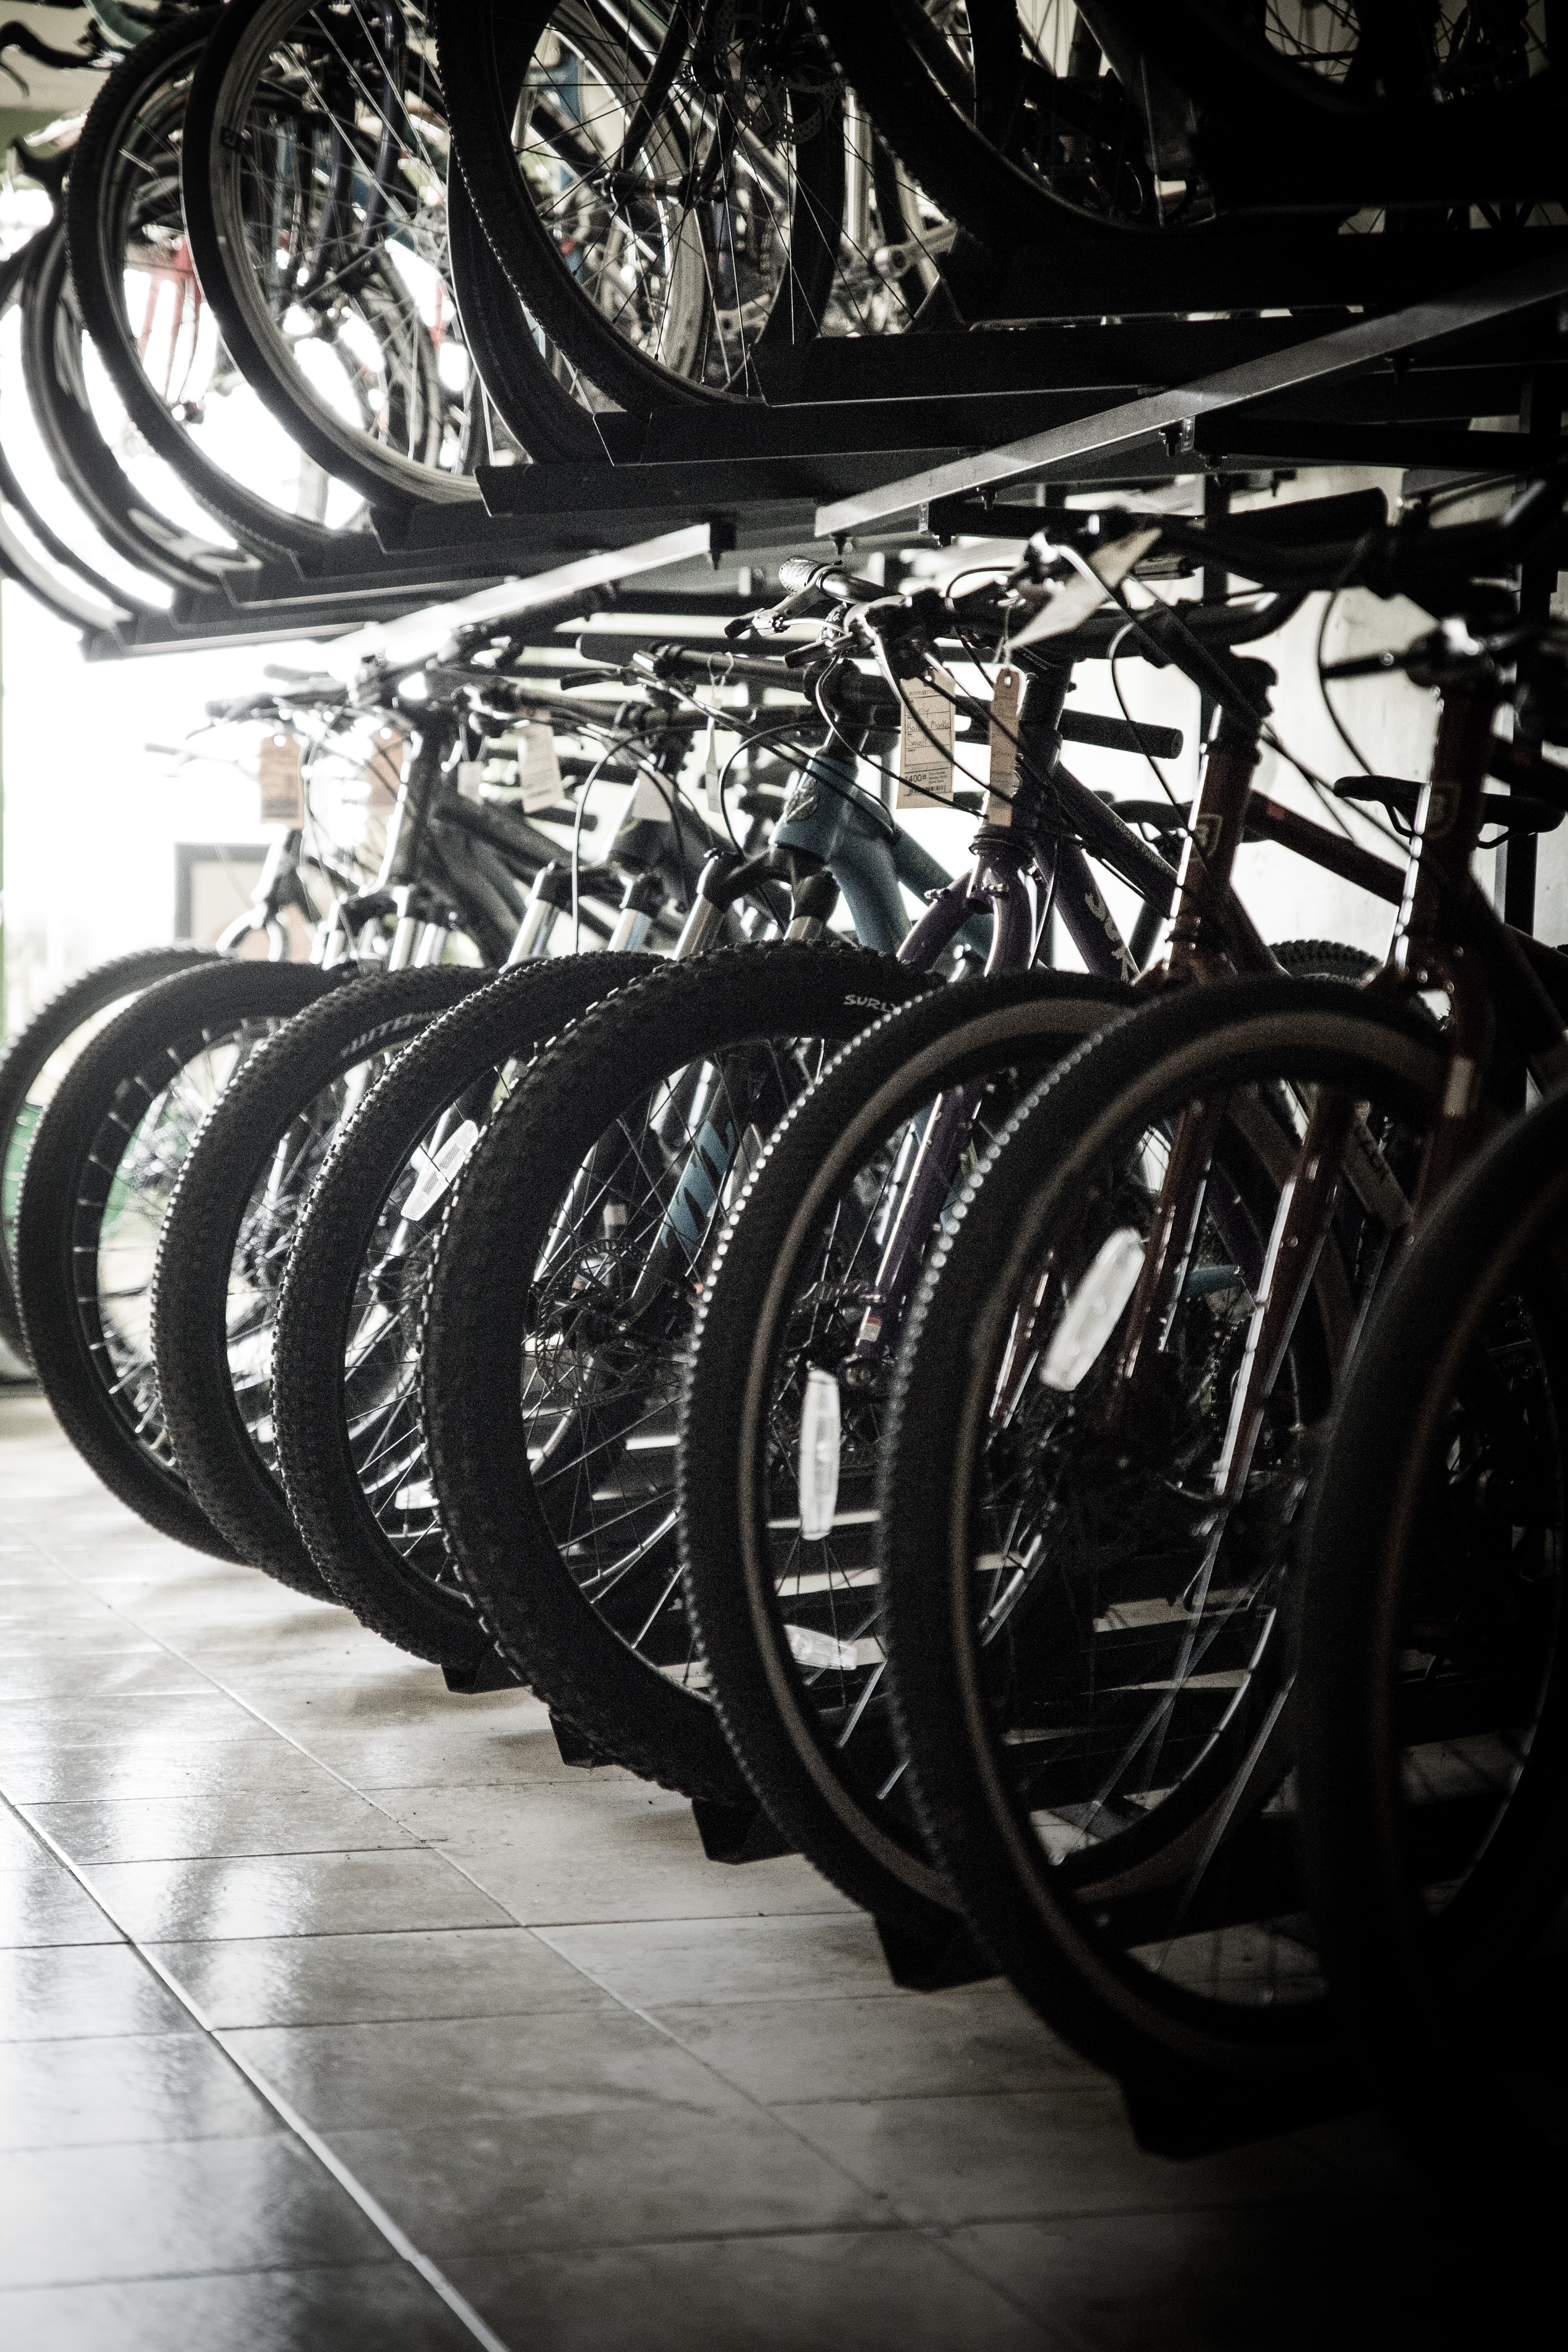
{"x":1002,"y":775}
{"x":1081,"y":598}
{"x":436,"y":1170}
{"x":538,"y":769}
{"x":650,"y":805}
{"x":281,"y":778}
{"x":712,"y":793}
{"x":471,"y":776}
{"x":383,"y":769}
{"x":925,"y":766}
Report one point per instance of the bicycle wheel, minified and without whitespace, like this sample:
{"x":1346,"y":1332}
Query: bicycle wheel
{"x":788,"y":1622}
{"x":138,"y":520}
{"x":33,"y":1064}
{"x":1087,"y":1654}
{"x":351,"y":1323}
{"x":105,"y":1158}
{"x":575,"y":1253}
{"x":676,"y":195}
{"x":546,"y":404}
{"x":1433,"y":1701}
{"x":224,"y":1247}
{"x":1451,"y":103}
{"x":1151,"y":115}
{"x":945,"y":89}
{"x":33,"y":551}
{"x":313,"y":174}
{"x":151,"y":329}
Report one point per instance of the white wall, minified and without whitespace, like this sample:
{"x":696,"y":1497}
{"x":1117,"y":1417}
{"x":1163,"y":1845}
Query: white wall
{"x":92,"y":816}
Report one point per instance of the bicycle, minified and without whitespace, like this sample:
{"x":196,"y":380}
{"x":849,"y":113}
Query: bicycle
{"x":1430,"y":1704}
{"x":800,"y":1317}
{"x":312,"y":176}
{"x":1151,"y":1359}
{"x":572,"y":1559}
{"x":106,"y":1155}
{"x":1132,"y":119}
{"x":231,"y":1224}
{"x":354,"y":1307}
{"x":680,"y":194}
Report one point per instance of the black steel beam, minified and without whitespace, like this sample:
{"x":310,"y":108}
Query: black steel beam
{"x":329,"y":610}
{"x":1118,"y":435}
{"x":1115,"y":359}
{"x":1277,"y":269}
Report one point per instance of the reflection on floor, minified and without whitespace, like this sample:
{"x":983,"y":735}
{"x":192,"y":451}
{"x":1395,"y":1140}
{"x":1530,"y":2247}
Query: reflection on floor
{"x":619,"y":2097}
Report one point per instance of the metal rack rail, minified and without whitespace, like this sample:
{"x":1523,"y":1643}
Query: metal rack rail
{"x":1223,"y":355}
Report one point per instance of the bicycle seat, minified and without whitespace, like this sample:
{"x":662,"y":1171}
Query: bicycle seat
{"x":1518,"y":811}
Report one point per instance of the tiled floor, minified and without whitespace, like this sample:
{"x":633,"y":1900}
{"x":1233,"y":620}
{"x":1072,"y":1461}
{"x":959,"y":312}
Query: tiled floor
{"x":618,"y":2098}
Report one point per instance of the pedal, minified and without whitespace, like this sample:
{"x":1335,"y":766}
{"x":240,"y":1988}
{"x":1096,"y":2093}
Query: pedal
{"x":737,"y":1833}
{"x":490,"y":1673}
{"x":933,"y":1963}
{"x":573,"y":1747}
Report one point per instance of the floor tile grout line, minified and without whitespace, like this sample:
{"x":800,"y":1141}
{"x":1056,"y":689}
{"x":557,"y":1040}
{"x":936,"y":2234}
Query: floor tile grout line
{"x":902,"y":2222}
{"x":424,"y":1844}
{"x":930,"y":2233}
{"x":587,"y":1974}
{"x":375,"y":2213}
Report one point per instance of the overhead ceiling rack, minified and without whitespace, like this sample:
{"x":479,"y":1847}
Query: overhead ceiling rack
{"x":878,"y":440}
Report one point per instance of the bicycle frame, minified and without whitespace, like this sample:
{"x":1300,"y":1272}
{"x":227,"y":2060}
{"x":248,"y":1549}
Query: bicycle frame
{"x":1446,"y":938}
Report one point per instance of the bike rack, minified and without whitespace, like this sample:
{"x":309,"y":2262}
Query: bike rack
{"x":1203,"y":368}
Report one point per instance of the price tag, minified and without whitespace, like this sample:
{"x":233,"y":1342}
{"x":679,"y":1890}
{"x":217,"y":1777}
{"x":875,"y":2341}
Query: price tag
{"x":925,"y":765}
{"x":1002,"y":776}
{"x":650,"y":805}
{"x":712,"y":772}
{"x":470,"y":777}
{"x":538,"y":769}
{"x":383,"y":769}
{"x":1071,"y":605}
{"x":281,"y":779}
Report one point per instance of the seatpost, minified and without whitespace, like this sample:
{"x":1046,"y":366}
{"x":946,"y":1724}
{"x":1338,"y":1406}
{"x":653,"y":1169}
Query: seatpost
{"x":1425,"y":953}
{"x":416,"y":792}
{"x":1203,"y":912}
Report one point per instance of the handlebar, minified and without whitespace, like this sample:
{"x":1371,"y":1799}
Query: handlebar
{"x":310,"y":693}
{"x":798,"y":573}
{"x":1327,"y":543}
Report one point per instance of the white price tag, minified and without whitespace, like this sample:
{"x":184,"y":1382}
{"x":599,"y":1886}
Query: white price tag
{"x":1002,"y":776}
{"x":1076,"y":600}
{"x":436,"y":1170}
{"x":650,"y":805}
{"x":538,"y":769}
{"x":471,"y":776}
{"x":712,"y":772}
{"x":281,"y":779}
{"x":925,"y":765}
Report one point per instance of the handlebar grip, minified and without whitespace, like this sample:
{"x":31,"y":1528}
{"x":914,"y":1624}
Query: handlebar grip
{"x":1121,"y":735}
{"x":710,"y":664}
{"x":798,"y":573}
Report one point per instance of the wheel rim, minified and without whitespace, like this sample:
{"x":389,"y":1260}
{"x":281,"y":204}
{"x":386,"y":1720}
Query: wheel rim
{"x":327,"y":182}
